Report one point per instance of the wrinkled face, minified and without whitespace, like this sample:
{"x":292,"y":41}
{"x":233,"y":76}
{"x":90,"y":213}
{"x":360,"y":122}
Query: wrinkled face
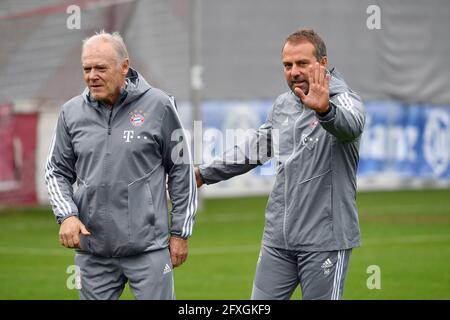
{"x":297,"y":58}
{"x":102,"y":74}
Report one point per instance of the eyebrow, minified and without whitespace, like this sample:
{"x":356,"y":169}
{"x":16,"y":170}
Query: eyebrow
{"x":298,"y":61}
{"x":97,"y":66}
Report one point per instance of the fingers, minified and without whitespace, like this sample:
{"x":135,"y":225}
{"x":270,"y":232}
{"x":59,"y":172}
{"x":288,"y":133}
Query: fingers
{"x":61,"y":240}
{"x":311,"y":75}
{"x":317,"y":74}
{"x":178,"y":248}
{"x":177,"y":259}
{"x":317,"y":97}
{"x":316,"y":79}
{"x":322,"y":74}
{"x":69,"y":232}
{"x":74,"y":242}
{"x":299,"y":92}
{"x":327,"y":80}
{"x":69,"y":240}
{"x":84,"y":231}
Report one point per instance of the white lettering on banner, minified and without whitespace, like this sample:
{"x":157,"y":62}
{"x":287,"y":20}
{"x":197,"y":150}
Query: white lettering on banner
{"x":437,"y":141}
{"x":401,"y":142}
{"x":389,"y":142}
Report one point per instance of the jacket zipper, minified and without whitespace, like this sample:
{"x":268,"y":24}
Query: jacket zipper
{"x":109,"y":121}
{"x":106,"y":170}
{"x":286,"y":180}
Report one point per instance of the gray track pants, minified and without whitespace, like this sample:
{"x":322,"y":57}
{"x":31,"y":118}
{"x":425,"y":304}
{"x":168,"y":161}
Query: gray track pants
{"x":321,"y":275}
{"x":149,"y":275}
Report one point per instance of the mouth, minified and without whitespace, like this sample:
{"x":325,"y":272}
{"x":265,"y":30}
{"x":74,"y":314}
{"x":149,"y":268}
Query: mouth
{"x":299,"y":84}
{"x":95,"y":86}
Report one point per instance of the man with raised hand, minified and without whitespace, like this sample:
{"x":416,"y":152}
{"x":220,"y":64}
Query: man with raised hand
{"x":311,"y":219}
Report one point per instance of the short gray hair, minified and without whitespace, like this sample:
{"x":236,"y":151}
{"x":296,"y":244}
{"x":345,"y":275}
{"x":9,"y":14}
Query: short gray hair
{"x":115,"y":39}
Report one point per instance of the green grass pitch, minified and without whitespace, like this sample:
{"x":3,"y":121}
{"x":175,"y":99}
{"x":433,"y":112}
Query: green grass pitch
{"x":405,"y":233}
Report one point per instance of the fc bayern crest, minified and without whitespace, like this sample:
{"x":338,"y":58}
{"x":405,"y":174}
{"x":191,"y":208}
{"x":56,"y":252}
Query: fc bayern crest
{"x":137,"y":119}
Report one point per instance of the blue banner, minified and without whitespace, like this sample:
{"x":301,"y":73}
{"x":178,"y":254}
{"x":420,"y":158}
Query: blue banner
{"x":405,"y":141}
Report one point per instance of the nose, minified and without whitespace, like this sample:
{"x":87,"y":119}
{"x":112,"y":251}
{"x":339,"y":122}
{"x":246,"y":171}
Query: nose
{"x":295,"y":71}
{"x":92,"y":75}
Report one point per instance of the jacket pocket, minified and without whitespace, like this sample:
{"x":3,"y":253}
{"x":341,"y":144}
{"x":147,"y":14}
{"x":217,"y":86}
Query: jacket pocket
{"x":82,"y":198}
{"x":141,"y":213}
{"x":317,"y":176}
{"x":310,"y":211}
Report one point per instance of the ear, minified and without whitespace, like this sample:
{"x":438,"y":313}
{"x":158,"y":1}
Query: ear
{"x":323,"y":61}
{"x":125,"y":66}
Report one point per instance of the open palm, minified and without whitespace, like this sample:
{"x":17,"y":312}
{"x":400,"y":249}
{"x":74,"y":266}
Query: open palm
{"x":318,"y":95}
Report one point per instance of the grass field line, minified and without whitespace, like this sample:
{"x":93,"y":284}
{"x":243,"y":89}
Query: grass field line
{"x":233,"y":249}
{"x":403,"y":208}
{"x":415,"y":239}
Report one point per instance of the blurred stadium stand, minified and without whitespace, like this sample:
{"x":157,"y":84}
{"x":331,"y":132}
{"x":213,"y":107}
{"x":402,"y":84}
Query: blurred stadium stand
{"x":402,"y":68}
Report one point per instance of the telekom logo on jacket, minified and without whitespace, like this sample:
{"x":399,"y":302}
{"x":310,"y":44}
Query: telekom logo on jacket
{"x":128,"y":135}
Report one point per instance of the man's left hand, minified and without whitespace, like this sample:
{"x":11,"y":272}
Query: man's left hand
{"x":178,"y":248}
{"x":318,"y":95}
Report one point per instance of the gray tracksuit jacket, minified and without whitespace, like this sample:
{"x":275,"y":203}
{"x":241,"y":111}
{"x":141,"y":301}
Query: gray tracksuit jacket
{"x":312,"y":206}
{"x":120,"y":159}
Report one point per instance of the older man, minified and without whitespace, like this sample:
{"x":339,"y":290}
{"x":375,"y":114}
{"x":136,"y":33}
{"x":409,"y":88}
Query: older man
{"x":311,"y":217}
{"x":118,"y":141}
